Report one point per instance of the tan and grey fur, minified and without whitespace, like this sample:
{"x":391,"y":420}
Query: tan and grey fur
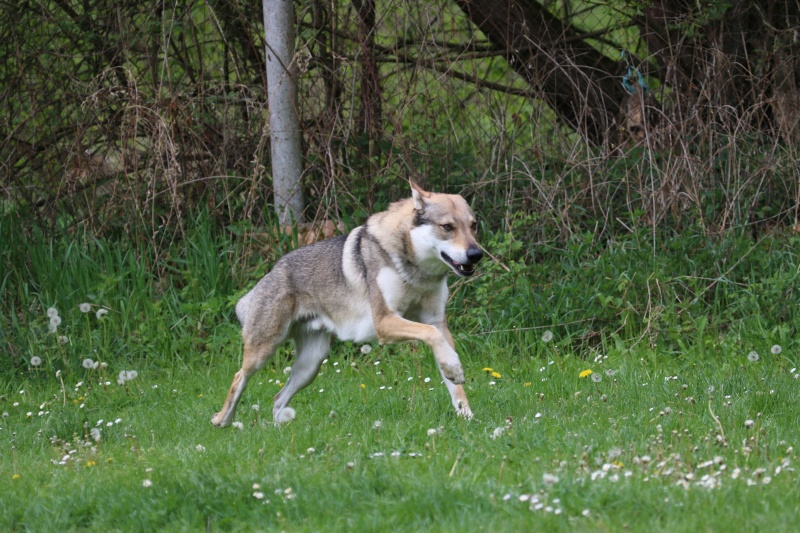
{"x":386,"y":279}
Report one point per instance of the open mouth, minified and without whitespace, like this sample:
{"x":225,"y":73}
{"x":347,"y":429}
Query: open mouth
{"x":461,"y":269}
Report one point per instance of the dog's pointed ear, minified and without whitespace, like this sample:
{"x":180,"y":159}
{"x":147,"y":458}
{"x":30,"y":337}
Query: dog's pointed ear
{"x":418,"y":194}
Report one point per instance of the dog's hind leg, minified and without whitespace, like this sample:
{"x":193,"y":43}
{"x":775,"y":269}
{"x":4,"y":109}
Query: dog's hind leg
{"x":253,"y":359}
{"x":312,"y":348}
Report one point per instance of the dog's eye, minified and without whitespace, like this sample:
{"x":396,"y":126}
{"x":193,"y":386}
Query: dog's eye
{"x":474,"y":226}
{"x":447,"y":227}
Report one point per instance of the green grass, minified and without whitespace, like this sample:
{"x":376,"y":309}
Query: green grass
{"x":633,"y":449}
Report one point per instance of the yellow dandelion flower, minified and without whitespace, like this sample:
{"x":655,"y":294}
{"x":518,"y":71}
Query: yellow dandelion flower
{"x":487,"y":369}
{"x":90,"y":463}
{"x":618,"y":463}
{"x":586,"y":373}
{"x":363,"y":386}
{"x":16,"y":476}
{"x":496,"y":375}
{"x":527,"y":384}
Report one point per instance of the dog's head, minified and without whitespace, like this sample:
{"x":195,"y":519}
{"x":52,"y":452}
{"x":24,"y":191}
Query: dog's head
{"x":444,"y":229}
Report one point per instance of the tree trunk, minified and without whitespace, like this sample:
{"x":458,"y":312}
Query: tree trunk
{"x":740,"y":57}
{"x":284,"y":123}
{"x":370,"y":115}
{"x":575,"y":79}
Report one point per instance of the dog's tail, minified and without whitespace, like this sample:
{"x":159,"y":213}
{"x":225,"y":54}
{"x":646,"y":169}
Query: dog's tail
{"x":243,"y":306}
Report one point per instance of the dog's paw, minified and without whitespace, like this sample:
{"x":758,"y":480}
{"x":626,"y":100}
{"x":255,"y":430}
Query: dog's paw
{"x":464,"y":412}
{"x":454,"y":373}
{"x":219,"y":421}
{"x":285,"y":415}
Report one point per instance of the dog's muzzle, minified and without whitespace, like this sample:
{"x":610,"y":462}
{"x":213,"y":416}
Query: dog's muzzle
{"x":474,"y":254}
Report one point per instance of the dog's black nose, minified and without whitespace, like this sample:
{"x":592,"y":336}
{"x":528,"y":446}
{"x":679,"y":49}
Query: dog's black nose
{"x":474,"y":254}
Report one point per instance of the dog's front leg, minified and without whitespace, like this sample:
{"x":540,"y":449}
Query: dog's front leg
{"x":392,"y":328}
{"x":457,"y":393}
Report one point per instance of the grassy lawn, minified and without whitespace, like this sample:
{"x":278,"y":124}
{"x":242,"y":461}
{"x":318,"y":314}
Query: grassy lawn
{"x":376,"y":447}
{"x":656,"y":438}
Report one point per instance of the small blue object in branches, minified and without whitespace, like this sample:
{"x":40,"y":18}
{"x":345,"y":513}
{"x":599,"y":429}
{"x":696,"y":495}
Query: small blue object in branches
{"x":633,"y":80}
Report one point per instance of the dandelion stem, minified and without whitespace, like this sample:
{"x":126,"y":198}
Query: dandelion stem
{"x":719,"y":424}
{"x":455,"y":464}
{"x":89,"y":328}
{"x":63,"y":392}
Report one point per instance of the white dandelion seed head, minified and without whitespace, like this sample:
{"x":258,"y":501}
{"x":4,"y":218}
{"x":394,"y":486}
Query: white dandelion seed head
{"x":63,"y":339}
{"x":52,"y":328}
{"x":597,"y":377}
{"x":549,"y":479}
{"x":287,"y":371}
{"x":88,"y":364}
{"x":147,"y":483}
{"x":749,"y":423}
{"x":547,"y":336}
{"x":776,"y":349}
{"x":55,"y":321}
{"x":36,"y":360}
{"x":52,"y":312}
{"x":101,"y":312}
{"x":132,"y":374}
{"x":85,"y":307}
{"x":200,"y":448}
{"x":431,"y":432}
{"x":377,"y":424}
{"x":753,"y":356}
{"x":255,"y":407}
{"x":287,"y":414}
{"x":238,"y":425}
{"x":366,"y":348}
{"x":96,"y":434}
{"x":258,"y":495}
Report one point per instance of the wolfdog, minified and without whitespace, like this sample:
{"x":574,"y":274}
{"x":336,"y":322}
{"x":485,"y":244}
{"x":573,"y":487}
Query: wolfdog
{"x":386,"y":279}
